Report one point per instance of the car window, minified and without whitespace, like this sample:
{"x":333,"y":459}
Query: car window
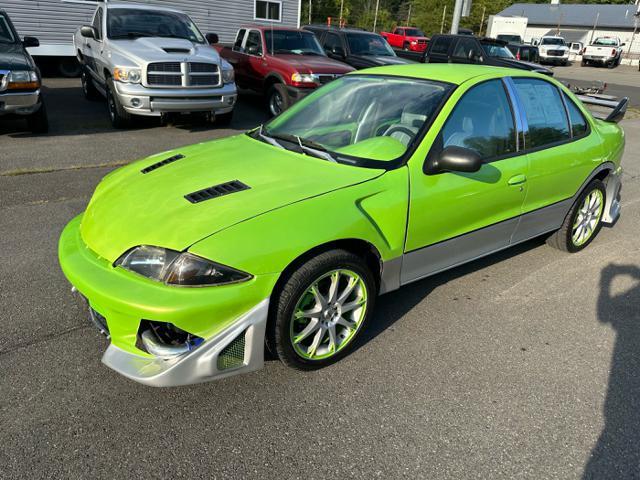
{"x":399,"y":31}
{"x":292,"y":42}
{"x":466,"y":48}
{"x":608,"y":42}
{"x":578,"y":122}
{"x":496,"y":50}
{"x":546,"y":116}
{"x":237,"y":46}
{"x":331,"y":41}
{"x":6,"y":35}
{"x":482,"y":121}
{"x":414,"y":32}
{"x":441,"y":45}
{"x":97,"y":23}
{"x":552,"y":41}
{"x":368,"y":44}
{"x":254,"y":40}
{"x":130,"y":23}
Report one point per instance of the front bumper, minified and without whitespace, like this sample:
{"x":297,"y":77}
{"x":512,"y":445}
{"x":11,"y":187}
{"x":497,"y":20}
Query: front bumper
{"x":296,"y":94}
{"x":232,"y":316}
{"x":140,"y":100}
{"x":22,"y":103}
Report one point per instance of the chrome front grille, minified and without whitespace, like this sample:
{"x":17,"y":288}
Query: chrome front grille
{"x":184,"y":75}
{"x":555,"y":53}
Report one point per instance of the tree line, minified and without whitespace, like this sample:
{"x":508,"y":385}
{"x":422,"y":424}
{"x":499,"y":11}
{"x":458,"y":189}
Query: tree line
{"x":432,"y":16}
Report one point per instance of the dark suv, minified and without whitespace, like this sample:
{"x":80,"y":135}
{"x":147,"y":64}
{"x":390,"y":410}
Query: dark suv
{"x":20,"y":79}
{"x":474,"y":50}
{"x":358,"y":48}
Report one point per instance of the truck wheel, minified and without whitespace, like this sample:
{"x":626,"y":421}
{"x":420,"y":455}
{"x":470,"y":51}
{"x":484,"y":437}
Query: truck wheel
{"x":405,"y":47}
{"x":611,"y":65}
{"x":277,"y":99}
{"x":119,"y":117}
{"x":583,"y":63}
{"x":88,"y":88}
{"x":39,"y":122}
{"x":224,"y":119}
{"x":69,"y":67}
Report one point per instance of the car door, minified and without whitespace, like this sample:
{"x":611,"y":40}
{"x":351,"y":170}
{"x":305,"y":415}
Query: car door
{"x":254,"y":50}
{"x":439,"y":50}
{"x":455,"y":217}
{"x":333,"y":46}
{"x":562,"y":152}
{"x":238,"y":58}
{"x":93,"y":47}
{"x":466,"y":50}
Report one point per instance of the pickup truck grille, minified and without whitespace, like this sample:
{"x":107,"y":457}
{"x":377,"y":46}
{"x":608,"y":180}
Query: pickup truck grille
{"x":555,"y":53}
{"x":323,"y":79}
{"x":186,"y":74}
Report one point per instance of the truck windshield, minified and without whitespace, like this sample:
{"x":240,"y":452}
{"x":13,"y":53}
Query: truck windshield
{"x":358,"y":120}
{"x":608,"y":42}
{"x":552,"y":41}
{"x":367,"y":44}
{"x":133,"y":23}
{"x":496,"y":50}
{"x":291,"y":41}
{"x":414,"y":32}
{"x":6,"y":32}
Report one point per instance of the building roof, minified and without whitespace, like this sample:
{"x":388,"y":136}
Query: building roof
{"x":574,"y":15}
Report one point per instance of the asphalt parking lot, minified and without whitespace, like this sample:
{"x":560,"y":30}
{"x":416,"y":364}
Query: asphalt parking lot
{"x":522,"y":365}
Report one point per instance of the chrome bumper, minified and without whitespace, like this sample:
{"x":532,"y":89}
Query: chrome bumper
{"x":19,"y":103}
{"x":201,"y":364}
{"x":141,"y":100}
{"x":613,"y":207}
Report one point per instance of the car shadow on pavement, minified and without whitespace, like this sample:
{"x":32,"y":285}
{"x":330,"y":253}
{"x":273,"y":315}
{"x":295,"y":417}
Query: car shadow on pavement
{"x":617,"y":453}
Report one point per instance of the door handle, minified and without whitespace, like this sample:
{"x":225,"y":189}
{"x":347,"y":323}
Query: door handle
{"x":517,"y":179}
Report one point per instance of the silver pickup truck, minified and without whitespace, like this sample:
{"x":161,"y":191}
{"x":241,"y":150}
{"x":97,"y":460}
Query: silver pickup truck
{"x":152,"y":61}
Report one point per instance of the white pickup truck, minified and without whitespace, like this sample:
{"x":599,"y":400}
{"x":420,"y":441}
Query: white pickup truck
{"x":603,"y":51}
{"x":152,"y":61}
{"x":553,"y":49}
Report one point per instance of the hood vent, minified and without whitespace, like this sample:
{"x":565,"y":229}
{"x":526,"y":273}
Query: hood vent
{"x":177,"y":50}
{"x":217,"y":191}
{"x":162,"y":163}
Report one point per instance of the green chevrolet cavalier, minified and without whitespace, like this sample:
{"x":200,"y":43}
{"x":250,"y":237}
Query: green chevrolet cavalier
{"x":191,"y":261}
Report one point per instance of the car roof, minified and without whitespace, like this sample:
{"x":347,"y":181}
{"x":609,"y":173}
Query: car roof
{"x":340,"y":30}
{"x":455,"y":73}
{"x":139,"y":6}
{"x":254,"y":26}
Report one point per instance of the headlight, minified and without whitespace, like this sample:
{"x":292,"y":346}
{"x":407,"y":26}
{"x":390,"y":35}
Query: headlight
{"x":175,"y":268}
{"x":303,"y":78}
{"x":228,"y":75}
{"x":127,"y":75}
{"x":20,"y":80}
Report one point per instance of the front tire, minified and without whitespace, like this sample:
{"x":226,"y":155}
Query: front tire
{"x":583,"y":222}
{"x":88,"y":88}
{"x":320,"y":310}
{"x":119,"y":117}
{"x":277,"y":99}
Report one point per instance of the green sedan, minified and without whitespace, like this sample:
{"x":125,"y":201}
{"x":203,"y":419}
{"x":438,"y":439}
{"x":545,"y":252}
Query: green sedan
{"x":191,"y":261}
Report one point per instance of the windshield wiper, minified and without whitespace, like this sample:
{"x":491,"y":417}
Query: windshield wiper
{"x":267,"y":138}
{"x":307,"y":146}
{"x":132,"y":35}
{"x":175,"y":36}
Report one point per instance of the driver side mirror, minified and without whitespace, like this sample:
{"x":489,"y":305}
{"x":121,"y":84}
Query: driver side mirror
{"x":253,"y":50}
{"x":337,"y":52}
{"x":30,"y":42}
{"x":212,"y":38}
{"x":457,"y":159}
{"x":88,"y":32}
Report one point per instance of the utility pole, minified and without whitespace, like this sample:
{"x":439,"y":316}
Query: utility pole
{"x":375,"y":18}
{"x":457,"y":14}
{"x":444,"y":16}
{"x":595,"y":25}
{"x":341,"y":10}
{"x":484,"y":11}
{"x":309,"y":12}
{"x":409,"y":15}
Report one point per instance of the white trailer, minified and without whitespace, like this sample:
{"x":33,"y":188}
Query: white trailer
{"x":507,"y":26}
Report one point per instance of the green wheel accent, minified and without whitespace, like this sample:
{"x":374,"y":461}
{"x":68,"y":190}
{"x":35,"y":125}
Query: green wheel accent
{"x":328,"y":314}
{"x":588,"y":218}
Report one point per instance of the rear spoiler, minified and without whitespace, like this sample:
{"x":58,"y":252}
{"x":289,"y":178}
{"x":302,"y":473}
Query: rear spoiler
{"x":619,"y":107}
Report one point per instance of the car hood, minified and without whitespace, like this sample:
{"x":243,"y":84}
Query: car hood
{"x":154,"y":49}
{"x":513,"y":63}
{"x":13,"y":57}
{"x":131,"y":208}
{"x":313,"y":63}
{"x":380,"y":60}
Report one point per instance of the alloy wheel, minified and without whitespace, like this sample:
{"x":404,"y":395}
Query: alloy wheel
{"x":328,"y":314}
{"x":275,"y":104}
{"x":588,"y":217}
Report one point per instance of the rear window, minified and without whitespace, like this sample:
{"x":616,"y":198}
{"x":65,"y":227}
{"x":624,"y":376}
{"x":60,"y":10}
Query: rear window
{"x":578,"y":122}
{"x":441,"y":45}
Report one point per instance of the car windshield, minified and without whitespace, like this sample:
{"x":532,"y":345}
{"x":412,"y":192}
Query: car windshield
{"x":6,"y":32}
{"x":496,"y":50}
{"x":291,"y":41}
{"x":414,"y":32}
{"x":358,"y":120}
{"x":367,"y":44}
{"x":552,"y":41}
{"x":609,"y":42}
{"x":133,"y":23}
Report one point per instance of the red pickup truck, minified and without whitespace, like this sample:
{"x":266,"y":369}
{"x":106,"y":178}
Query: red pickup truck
{"x":284,"y":64}
{"x":407,"y":38}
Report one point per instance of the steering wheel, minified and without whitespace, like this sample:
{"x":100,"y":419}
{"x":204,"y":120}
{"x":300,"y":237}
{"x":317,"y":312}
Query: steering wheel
{"x":400,"y":129}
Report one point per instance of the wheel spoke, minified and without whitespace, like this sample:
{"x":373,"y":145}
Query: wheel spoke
{"x":315,"y":313}
{"x":347,"y":307}
{"x":333,"y":344}
{"x":333,"y":288}
{"x":316,"y":342}
{"x":308,"y":330}
{"x":320,"y":300}
{"x":353,"y":281}
{"x":346,"y":323}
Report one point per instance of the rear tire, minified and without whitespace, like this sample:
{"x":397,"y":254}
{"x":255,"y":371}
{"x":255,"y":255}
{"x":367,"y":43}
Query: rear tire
{"x":39,"y":122}
{"x":335,"y":321}
{"x":119,"y":117}
{"x":587,"y":212}
{"x":69,"y":67}
{"x":405,"y":47}
{"x":277,"y":99}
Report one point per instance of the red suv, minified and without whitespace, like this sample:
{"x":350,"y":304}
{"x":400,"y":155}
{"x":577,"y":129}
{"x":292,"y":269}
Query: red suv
{"x":284,"y":64}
